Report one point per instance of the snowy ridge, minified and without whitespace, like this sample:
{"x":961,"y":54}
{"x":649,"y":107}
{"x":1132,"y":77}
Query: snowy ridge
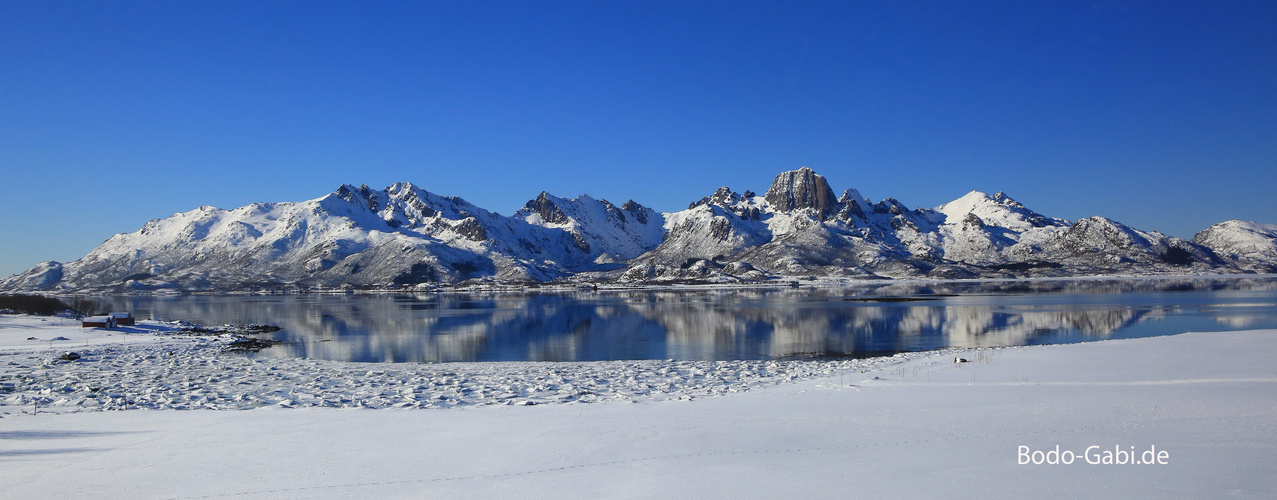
{"x":1249,"y":245}
{"x":609,"y":233}
{"x":405,"y":236}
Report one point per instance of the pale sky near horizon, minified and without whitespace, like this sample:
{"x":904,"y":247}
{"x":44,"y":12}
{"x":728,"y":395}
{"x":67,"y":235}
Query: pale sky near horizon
{"x":1161,"y":115}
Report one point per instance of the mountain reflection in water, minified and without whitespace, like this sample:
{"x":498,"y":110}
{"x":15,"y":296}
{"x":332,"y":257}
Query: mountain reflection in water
{"x":718,"y":324}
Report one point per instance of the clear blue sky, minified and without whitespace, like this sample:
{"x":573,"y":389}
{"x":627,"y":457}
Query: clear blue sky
{"x":1161,"y":115}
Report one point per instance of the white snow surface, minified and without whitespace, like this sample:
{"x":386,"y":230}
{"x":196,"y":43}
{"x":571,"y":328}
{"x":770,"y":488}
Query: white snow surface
{"x":156,"y":366}
{"x":914,"y":426}
{"x":1251,"y":241}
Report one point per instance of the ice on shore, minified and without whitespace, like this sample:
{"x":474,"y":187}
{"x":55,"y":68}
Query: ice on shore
{"x":156,"y":368}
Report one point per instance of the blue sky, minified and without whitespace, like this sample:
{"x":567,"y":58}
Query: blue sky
{"x":1161,"y":115}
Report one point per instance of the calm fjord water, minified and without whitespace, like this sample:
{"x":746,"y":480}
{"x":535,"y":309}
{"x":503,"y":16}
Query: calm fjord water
{"x":718,"y":324}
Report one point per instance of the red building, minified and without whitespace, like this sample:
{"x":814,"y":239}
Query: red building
{"x":123,"y":318}
{"x":107,"y":322}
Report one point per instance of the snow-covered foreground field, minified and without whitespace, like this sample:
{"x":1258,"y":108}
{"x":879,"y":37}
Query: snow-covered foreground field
{"x":910,"y":426}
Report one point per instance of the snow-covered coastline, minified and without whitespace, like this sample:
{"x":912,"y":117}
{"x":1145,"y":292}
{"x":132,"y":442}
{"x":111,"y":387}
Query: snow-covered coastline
{"x":909,"y":426}
{"x":156,"y":366}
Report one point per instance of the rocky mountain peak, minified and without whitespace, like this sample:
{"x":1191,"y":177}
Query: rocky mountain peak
{"x":997,"y":210}
{"x":544,"y":206}
{"x":724,"y":196}
{"x":802,"y":188}
{"x":639,"y":211}
{"x":362,"y":195}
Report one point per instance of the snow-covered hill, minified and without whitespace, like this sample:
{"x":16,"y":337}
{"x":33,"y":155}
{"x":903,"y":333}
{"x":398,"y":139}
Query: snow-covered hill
{"x":405,"y":236}
{"x":1248,"y":245}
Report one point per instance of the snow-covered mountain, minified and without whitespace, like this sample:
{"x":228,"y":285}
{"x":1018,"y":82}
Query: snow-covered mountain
{"x":357,"y":236}
{"x":1247,"y":245}
{"x":405,"y":236}
{"x":798,"y":229}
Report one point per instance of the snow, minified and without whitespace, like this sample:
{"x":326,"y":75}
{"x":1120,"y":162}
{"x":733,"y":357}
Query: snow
{"x":17,"y":333}
{"x":155,"y":366}
{"x":357,"y":237}
{"x":904,"y":427}
{"x":1247,"y":240}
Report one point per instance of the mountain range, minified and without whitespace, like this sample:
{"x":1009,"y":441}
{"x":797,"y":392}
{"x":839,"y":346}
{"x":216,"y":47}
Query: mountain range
{"x":406,"y":237}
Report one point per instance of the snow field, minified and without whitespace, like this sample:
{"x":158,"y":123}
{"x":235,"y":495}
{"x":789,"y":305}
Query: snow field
{"x":918,"y":426}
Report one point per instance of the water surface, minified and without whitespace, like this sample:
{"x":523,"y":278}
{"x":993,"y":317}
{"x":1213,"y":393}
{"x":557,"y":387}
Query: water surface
{"x":722,"y":324}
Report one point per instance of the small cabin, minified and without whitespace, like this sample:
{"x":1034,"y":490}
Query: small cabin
{"x":123,"y":318}
{"x":107,"y":322}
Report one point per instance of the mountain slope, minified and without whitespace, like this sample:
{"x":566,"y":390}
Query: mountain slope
{"x":1248,"y":245}
{"x":405,"y":236}
{"x":402,"y":235}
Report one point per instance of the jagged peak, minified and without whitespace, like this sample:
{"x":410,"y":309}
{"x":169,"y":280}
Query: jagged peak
{"x":1099,"y":219}
{"x":207,"y":208}
{"x":545,"y":196}
{"x":853,"y":195}
{"x":722,"y":196}
{"x":890,"y":206}
{"x":1086,"y":232}
{"x":802,"y":188}
{"x":1101,"y":223}
{"x":348,"y":189}
{"x":545,"y":207}
{"x":362,"y":195}
{"x":403,"y":188}
{"x":1005,"y":199}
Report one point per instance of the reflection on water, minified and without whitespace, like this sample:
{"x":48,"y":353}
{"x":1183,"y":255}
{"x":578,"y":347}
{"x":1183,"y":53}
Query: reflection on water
{"x":728,"y":323}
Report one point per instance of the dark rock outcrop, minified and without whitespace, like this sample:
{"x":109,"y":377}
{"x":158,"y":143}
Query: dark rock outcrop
{"x":546,"y":208}
{"x":802,"y":188}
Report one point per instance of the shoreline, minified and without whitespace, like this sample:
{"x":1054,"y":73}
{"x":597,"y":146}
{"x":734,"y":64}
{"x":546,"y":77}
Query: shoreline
{"x":166,"y":369}
{"x":554,"y":288}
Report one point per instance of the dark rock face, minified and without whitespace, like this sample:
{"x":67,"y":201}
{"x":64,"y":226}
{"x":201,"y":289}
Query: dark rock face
{"x":802,"y":188}
{"x":362,"y":195}
{"x":890,"y":206}
{"x":472,"y":229}
{"x":850,"y":209}
{"x":900,"y":223}
{"x":613,"y":213}
{"x":546,"y":208}
{"x":1177,"y":256}
{"x":636,"y":209}
{"x":720,"y":229}
{"x":579,"y":242}
{"x":420,"y":272}
{"x":972,"y":221}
